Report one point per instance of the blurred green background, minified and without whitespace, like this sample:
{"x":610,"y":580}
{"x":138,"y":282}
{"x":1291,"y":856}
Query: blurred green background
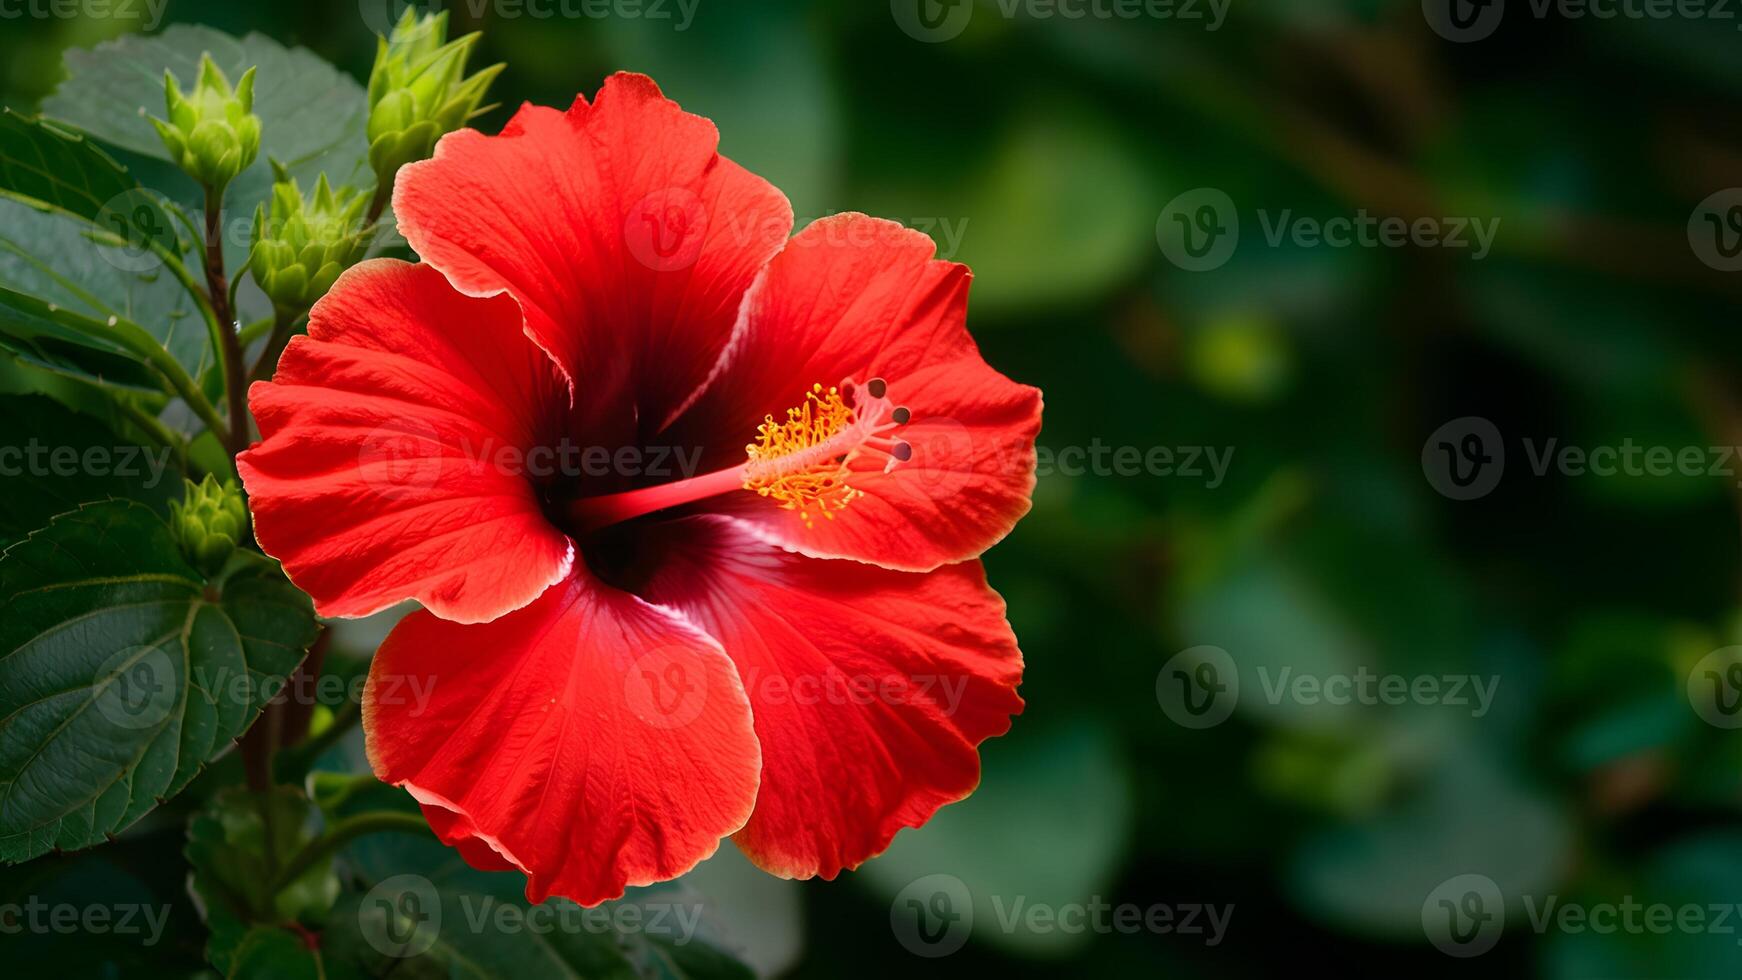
{"x":1044,"y":151}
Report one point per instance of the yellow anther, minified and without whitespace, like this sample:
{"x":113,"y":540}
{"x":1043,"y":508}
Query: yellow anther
{"x":801,"y":463}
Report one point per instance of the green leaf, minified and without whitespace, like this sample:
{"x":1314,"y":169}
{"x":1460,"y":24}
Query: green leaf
{"x":79,"y":232}
{"x":64,"y":170}
{"x":232,"y":872}
{"x":759,"y":77}
{"x":425,"y":913}
{"x":53,"y":459}
{"x":1464,"y":815}
{"x":48,"y":336}
{"x":312,"y":115}
{"x":271,"y":952}
{"x":124,"y":672}
{"x":1693,"y":876}
{"x":1068,"y":788}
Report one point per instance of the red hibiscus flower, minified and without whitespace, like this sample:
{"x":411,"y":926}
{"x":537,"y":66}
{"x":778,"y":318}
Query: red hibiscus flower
{"x":692,"y":506}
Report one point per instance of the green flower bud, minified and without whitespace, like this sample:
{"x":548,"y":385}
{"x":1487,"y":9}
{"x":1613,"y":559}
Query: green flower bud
{"x":419,"y":91}
{"x":212,"y":133}
{"x":301,"y":244}
{"x":208,"y":522}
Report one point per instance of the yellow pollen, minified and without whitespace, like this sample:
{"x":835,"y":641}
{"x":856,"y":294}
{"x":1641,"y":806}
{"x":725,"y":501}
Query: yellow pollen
{"x":795,"y":464}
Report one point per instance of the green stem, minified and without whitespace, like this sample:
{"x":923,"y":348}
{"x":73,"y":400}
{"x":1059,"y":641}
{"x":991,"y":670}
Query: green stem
{"x":214,"y":328}
{"x":254,"y":331}
{"x":378,"y":204}
{"x":187,"y":390}
{"x":343,"y":833}
{"x":283,"y":328}
{"x":297,"y":760}
{"x":154,"y":426}
{"x":217,"y":290}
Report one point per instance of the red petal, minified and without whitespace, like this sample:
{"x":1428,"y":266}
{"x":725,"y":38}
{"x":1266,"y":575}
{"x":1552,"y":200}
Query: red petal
{"x":377,"y":478}
{"x":858,"y":298}
{"x":625,"y":236}
{"x":457,"y":832}
{"x":592,"y":740}
{"x":871,"y":688}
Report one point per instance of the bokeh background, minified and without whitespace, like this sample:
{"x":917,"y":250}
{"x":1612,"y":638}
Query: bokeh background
{"x":1051,"y":154}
